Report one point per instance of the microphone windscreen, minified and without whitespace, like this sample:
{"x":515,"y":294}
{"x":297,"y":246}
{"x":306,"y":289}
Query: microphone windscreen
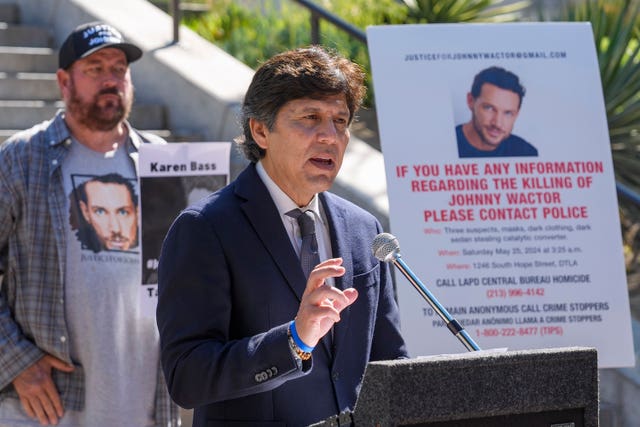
{"x":385,"y":247}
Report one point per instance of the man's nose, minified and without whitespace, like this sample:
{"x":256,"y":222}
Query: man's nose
{"x":115,"y":225}
{"x":499,"y":120}
{"x":110,"y":78}
{"x":328,"y":131}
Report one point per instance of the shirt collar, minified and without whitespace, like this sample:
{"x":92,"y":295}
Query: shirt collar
{"x":283,"y":202}
{"x":57,"y":131}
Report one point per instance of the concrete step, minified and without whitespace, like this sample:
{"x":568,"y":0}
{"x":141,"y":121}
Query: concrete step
{"x":177,"y":135}
{"x":28,"y":59}
{"x":10,"y":13}
{"x":187,"y":8}
{"x":24,"y":36}
{"x":23,"y":114}
{"x":26,"y":86}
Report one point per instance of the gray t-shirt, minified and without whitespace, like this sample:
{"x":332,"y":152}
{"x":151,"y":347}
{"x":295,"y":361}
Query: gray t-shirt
{"x":117,"y":346}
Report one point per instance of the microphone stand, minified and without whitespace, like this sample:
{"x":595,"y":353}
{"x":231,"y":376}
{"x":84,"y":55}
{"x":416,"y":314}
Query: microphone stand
{"x":453,"y":325}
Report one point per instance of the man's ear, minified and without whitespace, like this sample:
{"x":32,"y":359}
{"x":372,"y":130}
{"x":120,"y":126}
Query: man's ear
{"x":259,"y":131}
{"x":64,"y":82}
{"x":470,"y":101}
{"x":85,"y":211}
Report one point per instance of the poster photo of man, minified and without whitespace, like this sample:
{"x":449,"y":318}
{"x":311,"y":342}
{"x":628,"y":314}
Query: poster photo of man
{"x":163,"y":199}
{"x":494,"y":102}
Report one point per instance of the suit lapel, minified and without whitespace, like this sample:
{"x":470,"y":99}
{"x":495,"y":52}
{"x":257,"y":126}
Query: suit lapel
{"x":263,"y":215}
{"x":341,"y":247}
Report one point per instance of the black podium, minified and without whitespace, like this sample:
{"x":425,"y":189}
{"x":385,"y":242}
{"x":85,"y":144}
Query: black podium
{"x":542,"y":388}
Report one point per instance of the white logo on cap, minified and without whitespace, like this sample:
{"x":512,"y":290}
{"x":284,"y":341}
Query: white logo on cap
{"x":105,"y":34}
{"x":102,"y":40}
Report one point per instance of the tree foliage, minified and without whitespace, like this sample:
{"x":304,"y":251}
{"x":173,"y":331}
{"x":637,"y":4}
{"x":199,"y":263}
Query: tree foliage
{"x":616,"y":31}
{"x":447,"y":11}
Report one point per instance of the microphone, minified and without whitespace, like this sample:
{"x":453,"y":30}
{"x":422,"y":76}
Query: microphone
{"x":386,"y":248}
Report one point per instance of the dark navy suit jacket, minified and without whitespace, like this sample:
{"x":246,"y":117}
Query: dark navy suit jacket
{"x":229,"y":284}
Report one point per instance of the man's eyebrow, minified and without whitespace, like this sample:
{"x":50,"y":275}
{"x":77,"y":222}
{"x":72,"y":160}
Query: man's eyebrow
{"x":314,"y":109}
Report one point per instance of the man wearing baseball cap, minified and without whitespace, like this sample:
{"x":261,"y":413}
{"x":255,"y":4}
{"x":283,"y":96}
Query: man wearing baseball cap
{"x":74,"y":347}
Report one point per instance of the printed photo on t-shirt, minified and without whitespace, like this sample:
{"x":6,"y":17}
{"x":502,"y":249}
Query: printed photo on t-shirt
{"x":103,"y":212}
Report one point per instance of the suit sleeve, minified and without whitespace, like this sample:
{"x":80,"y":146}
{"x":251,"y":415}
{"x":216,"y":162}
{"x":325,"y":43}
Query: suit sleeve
{"x":202,"y":364}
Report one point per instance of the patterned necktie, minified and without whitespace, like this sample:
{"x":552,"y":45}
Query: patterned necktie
{"x":309,"y":256}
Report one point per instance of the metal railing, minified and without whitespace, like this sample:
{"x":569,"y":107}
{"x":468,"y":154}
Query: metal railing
{"x":174,"y":10}
{"x":628,"y":193}
{"x":317,"y":14}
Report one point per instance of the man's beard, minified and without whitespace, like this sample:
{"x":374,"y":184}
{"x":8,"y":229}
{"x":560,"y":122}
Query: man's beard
{"x":485,"y":140}
{"x":95,"y":117}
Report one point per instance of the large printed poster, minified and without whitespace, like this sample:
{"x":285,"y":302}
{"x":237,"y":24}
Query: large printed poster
{"x":501,"y":186}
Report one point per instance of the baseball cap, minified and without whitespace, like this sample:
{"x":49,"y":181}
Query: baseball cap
{"x":91,"y":37}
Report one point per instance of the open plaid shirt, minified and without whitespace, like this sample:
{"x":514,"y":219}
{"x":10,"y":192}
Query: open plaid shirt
{"x":32,"y":261}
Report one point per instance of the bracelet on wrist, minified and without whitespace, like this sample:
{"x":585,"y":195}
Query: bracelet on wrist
{"x":301,"y":349}
{"x":296,"y":350}
{"x":297,"y":339}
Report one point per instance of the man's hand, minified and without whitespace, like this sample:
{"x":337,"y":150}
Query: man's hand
{"x":321,"y":304}
{"x":38,"y":393}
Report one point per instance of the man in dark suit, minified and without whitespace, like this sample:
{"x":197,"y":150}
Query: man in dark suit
{"x":246,"y":337}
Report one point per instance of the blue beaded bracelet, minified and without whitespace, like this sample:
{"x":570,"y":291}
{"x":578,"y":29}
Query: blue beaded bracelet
{"x":294,"y":334}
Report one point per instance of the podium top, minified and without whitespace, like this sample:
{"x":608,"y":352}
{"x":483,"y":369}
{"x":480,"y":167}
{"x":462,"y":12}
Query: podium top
{"x":495,"y":355}
{"x":479,"y":384}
